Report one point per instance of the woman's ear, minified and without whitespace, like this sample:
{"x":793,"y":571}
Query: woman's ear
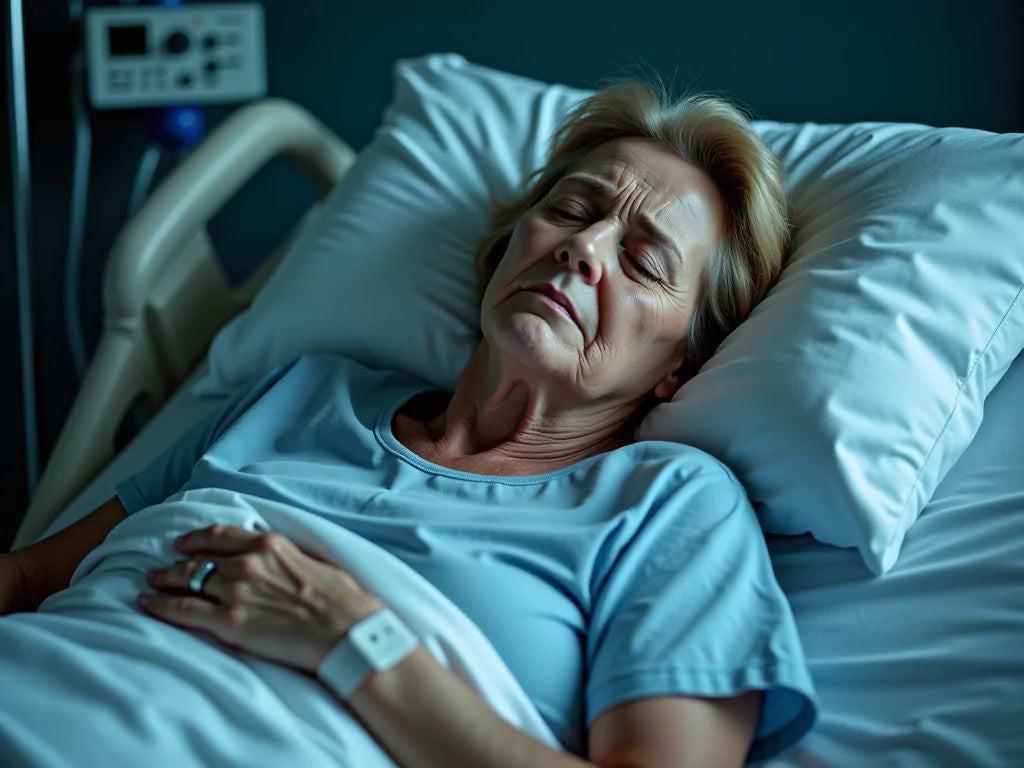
{"x":667,"y":387}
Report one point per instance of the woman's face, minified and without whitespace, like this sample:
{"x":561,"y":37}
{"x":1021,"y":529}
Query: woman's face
{"x":624,"y":236}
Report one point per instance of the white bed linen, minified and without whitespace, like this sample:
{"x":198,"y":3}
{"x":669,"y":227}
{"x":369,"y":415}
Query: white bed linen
{"x":90,"y":679}
{"x":922,"y":667}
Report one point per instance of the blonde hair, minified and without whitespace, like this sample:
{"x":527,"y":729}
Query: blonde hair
{"x":716,"y":137}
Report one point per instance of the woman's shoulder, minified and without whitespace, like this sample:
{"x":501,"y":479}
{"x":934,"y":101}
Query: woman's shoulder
{"x":677,"y":463}
{"x":351,"y":387}
{"x":350,"y":371}
{"x":679,"y":479}
{"x":686,"y":462}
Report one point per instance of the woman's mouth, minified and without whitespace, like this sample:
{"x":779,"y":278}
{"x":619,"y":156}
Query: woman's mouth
{"x":554,"y":299}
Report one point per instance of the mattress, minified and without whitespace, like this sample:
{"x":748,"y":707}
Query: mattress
{"x":922,"y":667}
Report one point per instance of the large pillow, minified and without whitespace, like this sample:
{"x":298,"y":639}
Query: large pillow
{"x":840,"y":403}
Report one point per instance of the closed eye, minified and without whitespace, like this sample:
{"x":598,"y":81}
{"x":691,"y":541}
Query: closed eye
{"x":645,"y":273}
{"x":580,"y":215}
{"x":571,"y":215}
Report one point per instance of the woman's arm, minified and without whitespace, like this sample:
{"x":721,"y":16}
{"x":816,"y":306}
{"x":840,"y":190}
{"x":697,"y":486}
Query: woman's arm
{"x":679,"y":731}
{"x":12,"y":584}
{"x":427,"y":717}
{"x":47,"y":565}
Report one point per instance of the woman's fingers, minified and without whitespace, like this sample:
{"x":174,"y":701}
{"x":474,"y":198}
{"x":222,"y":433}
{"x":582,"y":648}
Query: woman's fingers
{"x":264,"y":595}
{"x":222,"y":539}
{"x":188,"y":612}
{"x":178,"y":577}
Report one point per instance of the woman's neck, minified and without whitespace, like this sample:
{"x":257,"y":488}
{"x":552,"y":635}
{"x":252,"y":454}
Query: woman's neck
{"x":499,"y":422}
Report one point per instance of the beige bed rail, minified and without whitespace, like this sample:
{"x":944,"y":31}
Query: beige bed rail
{"x":165,"y":294}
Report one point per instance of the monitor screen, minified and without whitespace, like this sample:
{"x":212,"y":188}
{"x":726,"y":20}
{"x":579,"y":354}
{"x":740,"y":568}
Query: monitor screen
{"x":127,"y":41}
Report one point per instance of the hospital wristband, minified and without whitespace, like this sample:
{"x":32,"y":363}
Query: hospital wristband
{"x":376,"y":644}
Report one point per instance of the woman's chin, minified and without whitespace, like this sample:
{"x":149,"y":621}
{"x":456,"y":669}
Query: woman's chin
{"x":533,"y":344}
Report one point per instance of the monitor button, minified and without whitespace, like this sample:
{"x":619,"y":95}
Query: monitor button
{"x":177,"y":43}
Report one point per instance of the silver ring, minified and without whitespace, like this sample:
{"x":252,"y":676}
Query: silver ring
{"x":199,"y":578}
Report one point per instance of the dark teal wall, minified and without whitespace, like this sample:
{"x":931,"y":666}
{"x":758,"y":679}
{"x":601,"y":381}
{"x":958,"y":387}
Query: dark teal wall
{"x":937,"y":61}
{"x":942,"y":62}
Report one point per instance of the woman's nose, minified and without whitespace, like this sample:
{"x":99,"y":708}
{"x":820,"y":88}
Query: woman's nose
{"x":587,"y":251}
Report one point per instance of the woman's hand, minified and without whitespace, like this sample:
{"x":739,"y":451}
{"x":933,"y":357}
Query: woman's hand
{"x":265,"y":596}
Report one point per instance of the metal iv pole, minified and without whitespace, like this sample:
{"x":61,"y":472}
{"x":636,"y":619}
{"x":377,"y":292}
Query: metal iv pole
{"x":21,"y":196}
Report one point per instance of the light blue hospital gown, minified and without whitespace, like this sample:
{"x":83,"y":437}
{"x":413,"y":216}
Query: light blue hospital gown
{"x":638,"y":572}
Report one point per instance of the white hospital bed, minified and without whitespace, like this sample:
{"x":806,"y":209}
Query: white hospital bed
{"x":923,"y":667}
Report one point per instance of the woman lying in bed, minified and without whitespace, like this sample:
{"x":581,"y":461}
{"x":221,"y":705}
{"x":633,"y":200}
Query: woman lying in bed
{"x":625,"y":584}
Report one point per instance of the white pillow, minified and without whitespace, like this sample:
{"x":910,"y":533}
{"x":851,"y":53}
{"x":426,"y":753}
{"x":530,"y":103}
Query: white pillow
{"x":400,"y":230}
{"x":840,"y":403}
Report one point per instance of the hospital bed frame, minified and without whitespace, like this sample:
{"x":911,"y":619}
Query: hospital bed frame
{"x":165,"y":294}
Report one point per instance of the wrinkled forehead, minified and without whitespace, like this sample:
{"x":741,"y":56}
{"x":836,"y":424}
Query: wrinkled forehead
{"x":677,"y":192}
{"x":623,"y":161}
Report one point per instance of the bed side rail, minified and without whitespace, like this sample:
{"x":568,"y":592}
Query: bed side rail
{"x":165,"y":294}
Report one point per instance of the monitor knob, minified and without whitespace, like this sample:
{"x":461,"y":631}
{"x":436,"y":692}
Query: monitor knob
{"x":176,"y":42}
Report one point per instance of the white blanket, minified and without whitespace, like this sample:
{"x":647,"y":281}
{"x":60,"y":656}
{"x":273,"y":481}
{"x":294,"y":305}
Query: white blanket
{"x":90,"y":680}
